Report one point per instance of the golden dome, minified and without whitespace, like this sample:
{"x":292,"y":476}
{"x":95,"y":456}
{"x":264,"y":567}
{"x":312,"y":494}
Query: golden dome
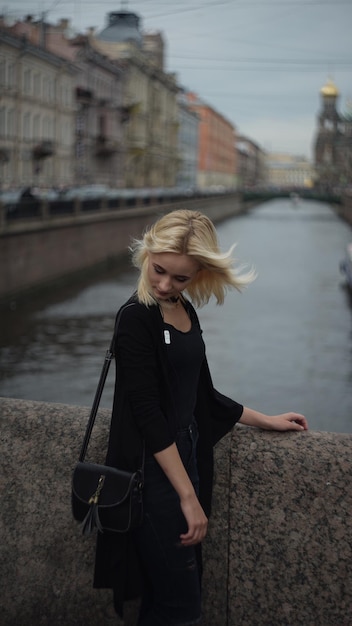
{"x":329,"y":89}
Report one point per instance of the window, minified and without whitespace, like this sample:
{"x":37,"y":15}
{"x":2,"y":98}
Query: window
{"x":46,"y":128}
{"x":102,"y":126}
{"x":51,"y":90}
{"x":45,"y":89}
{"x":2,"y":121}
{"x":65,"y":95}
{"x":65,"y":131}
{"x":2,"y":72}
{"x":27,"y":82}
{"x":36,"y":127}
{"x":37,"y":85}
{"x":26,"y":126}
{"x":11,"y":75}
{"x":11,"y":123}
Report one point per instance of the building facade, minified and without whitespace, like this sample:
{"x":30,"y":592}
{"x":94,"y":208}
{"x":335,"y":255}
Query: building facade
{"x":150,"y":101}
{"x":216,"y":147}
{"x":100,"y":129}
{"x":251,"y":163}
{"x":124,"y":117}
{"x":287,"y":171}
{"x":97,"y":136}
{"x":188,"y":140}
{"x":37,"y":115}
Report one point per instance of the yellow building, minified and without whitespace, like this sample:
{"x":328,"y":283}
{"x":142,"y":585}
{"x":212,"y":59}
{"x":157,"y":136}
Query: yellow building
{"x":288,"y":171}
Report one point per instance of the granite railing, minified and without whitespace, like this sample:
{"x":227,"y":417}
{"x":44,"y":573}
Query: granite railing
{"x":278,"y":552}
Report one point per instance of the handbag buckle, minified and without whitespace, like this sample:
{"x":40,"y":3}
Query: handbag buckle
{"x":95,"y":497}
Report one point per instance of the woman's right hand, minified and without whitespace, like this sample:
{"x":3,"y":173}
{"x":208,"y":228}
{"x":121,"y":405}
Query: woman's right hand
{"x":196,"y":520}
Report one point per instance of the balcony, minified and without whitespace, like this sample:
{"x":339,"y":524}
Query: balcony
{"x":105,"y":147}
{"x":128,"y":110}
{"x":43,"y":149}
{"x":4,"y":155}
{"x":84,"y":96}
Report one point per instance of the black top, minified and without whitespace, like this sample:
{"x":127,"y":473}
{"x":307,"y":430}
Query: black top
{"x":186,"y":352}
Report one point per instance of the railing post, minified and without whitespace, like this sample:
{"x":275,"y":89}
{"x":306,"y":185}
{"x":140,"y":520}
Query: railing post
{"x":44,"y":209}
{"x":77,"y":206}
{"x":2,"y":217}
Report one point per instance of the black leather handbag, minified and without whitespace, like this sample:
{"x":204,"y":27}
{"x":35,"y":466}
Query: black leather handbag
{"x":105,"y":498}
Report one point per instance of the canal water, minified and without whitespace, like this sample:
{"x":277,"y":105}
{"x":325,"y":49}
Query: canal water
{"x":285,"y":343}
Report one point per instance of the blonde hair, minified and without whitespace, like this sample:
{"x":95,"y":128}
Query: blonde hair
{"x":194,"y":234}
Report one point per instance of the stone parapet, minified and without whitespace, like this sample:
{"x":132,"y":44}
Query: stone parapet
{"x":37,"y":254}
{"x":344,"y":210}
{"x":279,"y":548}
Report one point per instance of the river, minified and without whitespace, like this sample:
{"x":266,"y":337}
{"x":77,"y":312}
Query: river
{"x":285,"y":343}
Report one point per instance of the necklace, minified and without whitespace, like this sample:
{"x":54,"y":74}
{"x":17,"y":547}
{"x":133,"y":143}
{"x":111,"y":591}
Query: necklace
{"x":171,"y":304}
{"x":174,"y":299}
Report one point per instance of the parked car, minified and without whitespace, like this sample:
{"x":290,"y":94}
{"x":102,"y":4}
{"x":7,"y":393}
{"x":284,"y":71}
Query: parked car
{"x":86,"y":192}
{"x":22,"y":202}
{"x":9,"y":199}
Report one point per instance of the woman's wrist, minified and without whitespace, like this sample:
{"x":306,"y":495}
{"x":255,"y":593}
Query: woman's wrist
{"x":187,"y":495}
{"x":170,"y":462}
{"x":254,"y":418}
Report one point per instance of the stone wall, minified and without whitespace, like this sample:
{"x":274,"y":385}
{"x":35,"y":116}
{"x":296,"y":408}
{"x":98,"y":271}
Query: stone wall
{"x":345,"y":208}
{"x":34,"y":254}
{"x":278,"y":552}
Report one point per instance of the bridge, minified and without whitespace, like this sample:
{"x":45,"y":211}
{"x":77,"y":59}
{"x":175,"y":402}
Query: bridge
{"x":266,"y":194}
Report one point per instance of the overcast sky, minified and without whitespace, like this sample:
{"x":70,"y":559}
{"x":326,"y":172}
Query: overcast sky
{"x":260,"y":63}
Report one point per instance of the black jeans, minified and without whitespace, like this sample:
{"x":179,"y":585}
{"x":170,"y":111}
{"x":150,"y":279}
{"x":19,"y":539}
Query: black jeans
{"x":172,"y":595}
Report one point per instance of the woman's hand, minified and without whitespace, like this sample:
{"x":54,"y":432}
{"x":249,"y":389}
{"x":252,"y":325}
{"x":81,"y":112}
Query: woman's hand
{"x":283,"y":422}
{"x":287,"y":421}
{"x":196,"y":520}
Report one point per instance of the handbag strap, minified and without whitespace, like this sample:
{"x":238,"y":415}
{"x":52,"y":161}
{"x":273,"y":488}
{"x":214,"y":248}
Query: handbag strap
{"x":99,"y":391}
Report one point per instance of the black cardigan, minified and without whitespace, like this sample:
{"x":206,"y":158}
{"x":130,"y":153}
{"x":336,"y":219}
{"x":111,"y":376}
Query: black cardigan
{"x":143,"y":409}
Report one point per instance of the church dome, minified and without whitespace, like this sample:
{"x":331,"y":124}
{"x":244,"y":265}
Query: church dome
{"x":329,"y":89}
{"x":122,"y":27}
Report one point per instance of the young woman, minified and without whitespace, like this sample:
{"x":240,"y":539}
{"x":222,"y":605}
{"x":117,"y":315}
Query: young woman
{"x":165,"y":400}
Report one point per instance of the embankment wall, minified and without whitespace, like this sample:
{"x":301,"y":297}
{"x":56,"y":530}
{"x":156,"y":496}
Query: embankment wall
{"x":279,"y":548}
{"x":345,"y":208}
{"x":33,"y":254}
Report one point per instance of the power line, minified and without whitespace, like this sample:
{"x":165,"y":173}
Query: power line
{"x":289,"y":68}
{"x":260,"y":60}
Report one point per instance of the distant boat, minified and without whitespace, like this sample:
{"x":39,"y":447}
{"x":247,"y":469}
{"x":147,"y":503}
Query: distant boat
{"x":346,"y":265}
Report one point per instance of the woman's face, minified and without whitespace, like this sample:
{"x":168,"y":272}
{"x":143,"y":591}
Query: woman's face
{"x":170,"y":273}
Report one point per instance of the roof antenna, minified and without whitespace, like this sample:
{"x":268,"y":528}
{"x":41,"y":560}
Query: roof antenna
{"x":124,"y":4}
